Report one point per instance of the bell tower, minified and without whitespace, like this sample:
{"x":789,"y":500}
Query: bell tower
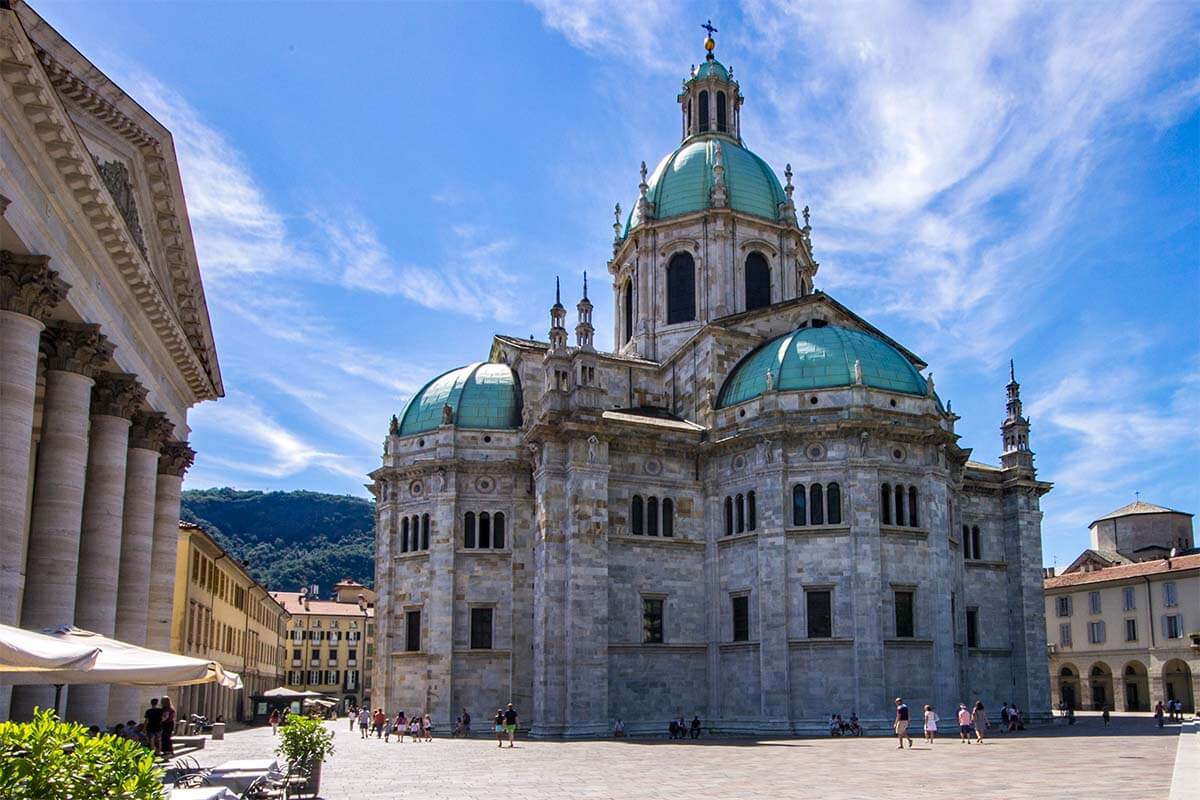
{"x":711,"y":101}
{"x":1015,"y":429}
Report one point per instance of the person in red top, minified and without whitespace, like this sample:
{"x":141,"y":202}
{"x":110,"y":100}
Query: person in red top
{"x":380,"y":719}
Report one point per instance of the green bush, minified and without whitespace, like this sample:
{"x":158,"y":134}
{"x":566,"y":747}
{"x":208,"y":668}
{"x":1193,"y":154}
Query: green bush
{"x":46,"y":758}
{"x":304,"y":741}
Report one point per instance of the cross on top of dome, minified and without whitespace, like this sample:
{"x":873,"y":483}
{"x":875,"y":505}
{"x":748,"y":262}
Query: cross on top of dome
{"x":710,"y":43}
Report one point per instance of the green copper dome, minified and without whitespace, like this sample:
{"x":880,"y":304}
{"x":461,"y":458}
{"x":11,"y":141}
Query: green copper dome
{"x":821,"y":358}
{"x":481,"y":395}
{"x":683,"y":181}
{"x":709,"y":68}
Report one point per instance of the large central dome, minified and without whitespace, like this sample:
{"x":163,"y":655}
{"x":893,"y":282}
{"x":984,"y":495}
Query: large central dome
{"x":480,"y":395}
{"x":683,"y":181}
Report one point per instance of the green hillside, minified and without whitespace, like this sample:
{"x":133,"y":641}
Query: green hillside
{"x":291,"y":539}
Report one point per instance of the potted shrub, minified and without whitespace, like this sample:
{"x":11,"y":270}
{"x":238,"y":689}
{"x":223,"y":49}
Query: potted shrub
{"x":305,"y":742}
{"x":48,"y":758}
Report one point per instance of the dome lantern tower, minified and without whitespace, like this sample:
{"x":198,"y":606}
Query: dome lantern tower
{"x":711,"y":102}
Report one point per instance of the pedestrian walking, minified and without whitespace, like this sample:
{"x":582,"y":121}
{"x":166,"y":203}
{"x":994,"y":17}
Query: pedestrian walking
{"x":931,"y":721}
{"x":427,"y":725}
{"x":964,"y":723}
{"x":351,"y":715}
{"x":274,"y":721}
{"x":510,"y":723}
{"x":499,"y":722}
{"x":1105,"y":716}
{"x":364,"y":722}
{"x":166,"y":746}
{"x":154,"y":716}
{"x":401,"y":726}
{"x":1158,"y":713}
{"x":901,"y":724}
{"x":979,"y":720}
{"x":466,"y":724}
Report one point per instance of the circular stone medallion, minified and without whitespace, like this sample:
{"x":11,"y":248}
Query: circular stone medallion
{"x":652,"y":466}
{"x":484,"y":484}
{"x":416,"y":488}
{"x":815,"y":451}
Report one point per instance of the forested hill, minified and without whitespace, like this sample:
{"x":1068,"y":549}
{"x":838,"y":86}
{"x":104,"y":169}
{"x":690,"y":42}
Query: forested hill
{"x":291,"y":539}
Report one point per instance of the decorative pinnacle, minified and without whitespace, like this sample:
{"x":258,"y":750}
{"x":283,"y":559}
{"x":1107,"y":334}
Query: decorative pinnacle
{"x":788,"y":188}
{"x":557,"y":293}
{"x":643,"y":173}
{"x":585,"y":297}
{"x":1012,"y":371}
{"x":710,"y":44}
{"x":805,"y":213}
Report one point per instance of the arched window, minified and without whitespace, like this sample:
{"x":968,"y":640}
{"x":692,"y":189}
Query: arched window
{"x":833,"y":500}
{"x":635,"y":516}
{"x":668,"y":512}
{"x":424,"y":531}
{"x":721,"y":112}
{"x":689,"y":117}
{"x":729,"y":516}
{"x":912,"y":507}
{"x":758,"y":281}
{"x":703,"y":111}
{"x":899,"y":490}
{"x":652,"y":516}
{"x":681,"y":289}
{"x":415,"y":528}
{"x":885,"y":504}
{"x":751,"y":512}
{"x":741,"y":514}
{"x":498,"y":530}
{"x":485,"y":529}
{"x":976,"y":552}
{"x":404,"y":535}
{"x":966,"y":541}
{"x":816,"y":504}
{"x":627,"y":298}
{"x":799,"y":509}
{"x":469,"y":529}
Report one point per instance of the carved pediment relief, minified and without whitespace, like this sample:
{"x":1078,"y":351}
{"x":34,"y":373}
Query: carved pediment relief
{"x":117,"y":178}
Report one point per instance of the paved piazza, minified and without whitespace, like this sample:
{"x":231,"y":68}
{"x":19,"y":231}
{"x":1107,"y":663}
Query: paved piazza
{"x":1132,"y":759}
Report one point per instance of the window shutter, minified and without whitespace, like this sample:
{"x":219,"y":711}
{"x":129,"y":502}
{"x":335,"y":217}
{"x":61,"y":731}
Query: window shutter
{"x":1166,"y":625}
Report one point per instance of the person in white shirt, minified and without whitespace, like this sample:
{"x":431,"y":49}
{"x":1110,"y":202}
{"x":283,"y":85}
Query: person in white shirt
{"x":931,"y":721}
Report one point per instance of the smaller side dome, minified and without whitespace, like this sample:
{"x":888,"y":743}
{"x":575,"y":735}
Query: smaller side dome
{"x":711,"y":68}
{"x":481,"y":395}
{"x":821,"y":358}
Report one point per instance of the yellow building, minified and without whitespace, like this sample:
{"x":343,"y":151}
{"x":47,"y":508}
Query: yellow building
{"x":222,"y":613}
{"x":331,"y":642}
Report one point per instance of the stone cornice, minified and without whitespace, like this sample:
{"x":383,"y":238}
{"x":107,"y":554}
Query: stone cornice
{"x":117,"y":394}
{"x":76,"y":347}
{"x":28,"y":286}
{"x":150,"y":430}
{"x":175,"y":458}
{"x":22,"y":68}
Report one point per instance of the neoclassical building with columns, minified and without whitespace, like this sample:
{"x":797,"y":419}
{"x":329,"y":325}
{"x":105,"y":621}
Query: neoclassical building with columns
{"x":105,"y":343}
{"x":755,"y":509}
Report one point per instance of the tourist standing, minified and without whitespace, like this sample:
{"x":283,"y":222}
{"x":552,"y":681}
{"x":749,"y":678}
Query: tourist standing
{"x":154,"y":715}
{"x":931,"y":721}
{"x":901,"y":723}
{"x":168,"y":727}
{"x":1004,"y":717}
{"x":274,"y":721}
{"x":401,"y":726}
{"x":414,"y":727}
{"x":427,"y":726}
{"x":466,"y":724}
{"x":980,"y":720}
{"x":1158,"y":713}
{"x":696,"y":727}
{"x":499,"y":722}
{"x":1105,"y":716}
{"x":364,"y":720}
{"x":619,"y":729}
{"x":964,"y":723}
{"x":510,"y":723}
{"x":352,"y":715}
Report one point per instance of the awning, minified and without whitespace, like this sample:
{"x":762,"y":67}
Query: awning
{"x":124,"y":663}
{"x":23,"y":651}
{"x":284,"y":693}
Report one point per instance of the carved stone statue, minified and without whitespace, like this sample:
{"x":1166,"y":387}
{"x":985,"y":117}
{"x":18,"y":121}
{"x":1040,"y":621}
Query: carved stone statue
{"x":592,"y":443}
{"x":770,"y":380}
{"x":439,"y":479}
{"x":858,"y":373}
{"x":447,"y":415}
{"x":863,"y":438}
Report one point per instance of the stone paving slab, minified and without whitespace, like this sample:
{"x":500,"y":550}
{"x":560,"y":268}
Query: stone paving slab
{"x":1131,"y":759}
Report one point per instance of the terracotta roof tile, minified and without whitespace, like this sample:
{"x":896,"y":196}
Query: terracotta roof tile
{"x":1124,"y":571}
{"x":328,"y":608}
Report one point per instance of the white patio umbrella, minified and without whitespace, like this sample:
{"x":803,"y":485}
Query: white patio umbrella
{"x":283,"y":692}
{"x":123,"y":663}
{"x":25,"y":651}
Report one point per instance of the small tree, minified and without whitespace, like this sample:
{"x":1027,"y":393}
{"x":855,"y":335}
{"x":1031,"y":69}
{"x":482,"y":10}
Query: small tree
{"x":48,"y":758}
{"x":304,"y":741}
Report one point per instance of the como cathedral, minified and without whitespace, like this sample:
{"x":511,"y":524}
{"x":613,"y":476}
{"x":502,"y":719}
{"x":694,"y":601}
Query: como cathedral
{"x":756,"y":510}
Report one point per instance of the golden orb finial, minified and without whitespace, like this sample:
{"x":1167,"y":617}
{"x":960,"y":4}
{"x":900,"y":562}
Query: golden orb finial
{"x":710,"y":43}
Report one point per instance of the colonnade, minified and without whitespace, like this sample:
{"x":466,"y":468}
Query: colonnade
{"x":90,"y":483}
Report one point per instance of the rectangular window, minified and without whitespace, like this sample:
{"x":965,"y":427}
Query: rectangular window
{"x":1131,"y":630}
{"x":652,"y":620}
{"x":819,"y":605}
{"x":972,"y":627}
{"x":904,"y":614}
{"x":1096,"y":632}
{"x":741,"y":618}
{"x":1064,"y":634}
{"x":1063,"y":606}
{"x":1170,"y":596}
{"x":481,"y":629}
{"x":412,"y":630}
{"x":1130,"y":602}
{"x":1094,"y":602}
{"x":1173,"y":626}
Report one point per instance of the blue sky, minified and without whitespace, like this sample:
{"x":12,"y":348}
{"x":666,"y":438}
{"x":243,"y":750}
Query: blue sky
{"x":376,"y":188}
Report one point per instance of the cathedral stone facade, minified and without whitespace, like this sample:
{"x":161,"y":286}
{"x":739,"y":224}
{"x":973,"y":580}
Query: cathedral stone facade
{"x":755,"y":510}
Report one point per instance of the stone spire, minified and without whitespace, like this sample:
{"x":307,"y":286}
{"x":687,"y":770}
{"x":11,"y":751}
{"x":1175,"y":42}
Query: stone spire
{"x":584,"y":332}
{"x":558,"y":316}
{"x":1014,"y":431}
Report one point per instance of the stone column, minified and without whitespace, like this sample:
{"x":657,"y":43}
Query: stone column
{"x":173,"y":462}
{"x":866,"y":587}
{"x":1026,"y":603}
{"x":115,"y":398}
{"x":28,"y":292}
{"x":772,"y":590}
{"x":385,"y":535}
{"x":549,"y":591}
{"x":73,"y":352}
{"x":148,"y":434}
